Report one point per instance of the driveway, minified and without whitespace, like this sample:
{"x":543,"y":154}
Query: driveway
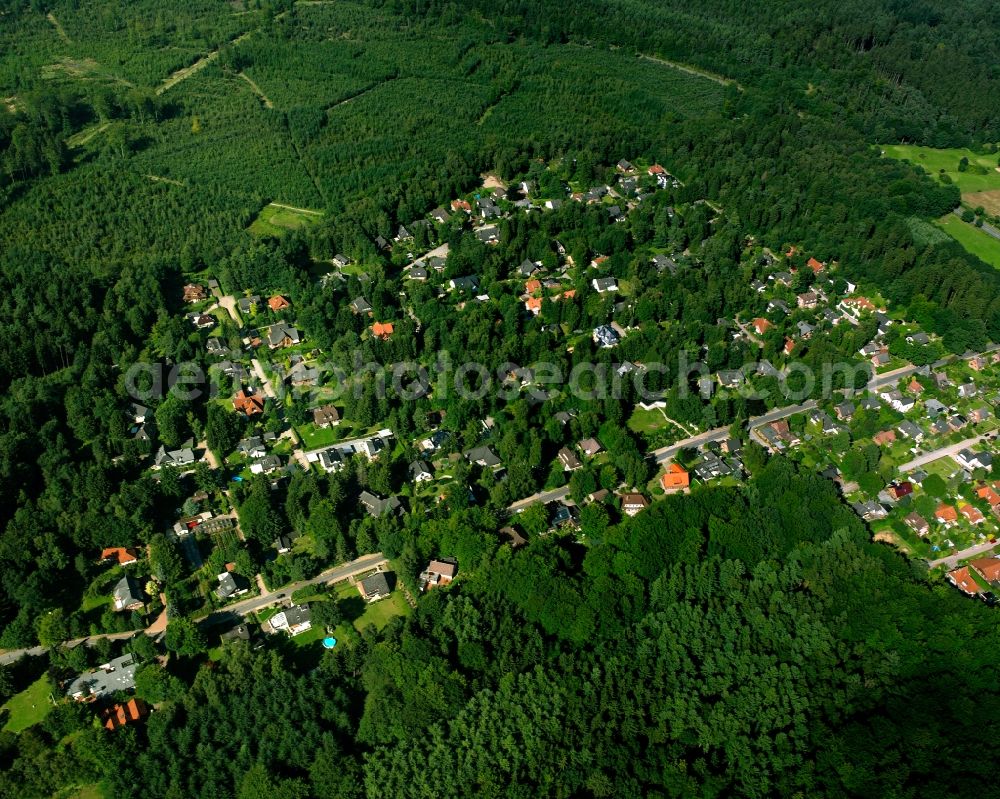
{"x":264,"y":381}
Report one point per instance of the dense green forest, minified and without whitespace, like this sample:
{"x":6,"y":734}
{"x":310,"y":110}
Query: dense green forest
{"x":745,"y":641}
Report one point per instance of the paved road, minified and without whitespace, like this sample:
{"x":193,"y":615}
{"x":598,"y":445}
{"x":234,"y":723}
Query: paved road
{"x":229,"y":303}
{"x":543,"y":497}
{"x":987,"y":228}
{"x":951,"y":561}
{"x":242,"y":608}
{"x":12,"y":655}
{"x":664,"y":454}
{"x":944,"y":452}
{"x":335,"y":575}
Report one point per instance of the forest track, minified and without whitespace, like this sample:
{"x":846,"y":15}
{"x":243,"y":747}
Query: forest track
{"x":186,"y":72}
{"x":722,"y":80}
{"x":257,"y":90}
{"x":59,"y":28}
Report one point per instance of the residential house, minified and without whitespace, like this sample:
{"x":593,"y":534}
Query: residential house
{"x":664,"y":263}
{"x":302,"y":375}
{"x":946,"y":514}
{"x":194,"y":293}
{"x":632,"y":503}
{"x":809,"y":299}
{"x":293,"y":620}
{"x":417,"y":273}
{"x":360,"y":305}
{"x":248,"y":305}
{"x":569,"y":461}
{"x":326,"y":416}
{"x":909,"y":430}
{"x":761,"y":325}
{"x":917,"y":523}
{"x":440,"y":216}
{"x":899,"y":490}
{"x":437,"y":573}
{"x":382,"y":330}
{"x":489,"y":234}
{"x":265,"y":465}
{"x":675,"y":478}
{"x":123,"y":556}
{"x":527,"y":268}
{"x":281,"y":335}
{"x":590,"y":447}
{"x":231,"y":584}
{"x":248,"y":403}
{"x":374,"y":587}
{"x":533,"y":305}
{"x":330,"y":460}
{"x":483,"y":456}
{"x":977,"y":363}
{"x":898,"y":401}
{"x":815,"y":266}
{"x":278,"y":303}
{"x":730,"y":378}
{"x":606,"y":336}
{"x":972,"y":514}
{"x":967,"y":390}
{"x":420,"y":472}
{"x":977,"y":415}
{"x":968,"y":459}
{"x":933,"y":408}
{"x":884,"y":438}
{"x":128,"y":594}
{"x":870,"y":510}
{"x":918,"y":338}
{"x":120,"y":715}
{"x":603,"y":285}
{"x":377,"y":506}
{"x":987,"y":568}
{"x":845,"y":410}
{"x":461,"y":205}
{"x":177,"y":458}
{"x":109,"y":678}
{"x":202,"y":321}
{"x":963,"y":580}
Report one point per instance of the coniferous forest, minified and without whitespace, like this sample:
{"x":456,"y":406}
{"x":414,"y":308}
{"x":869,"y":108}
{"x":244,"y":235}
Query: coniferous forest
{"x":746,"y":639}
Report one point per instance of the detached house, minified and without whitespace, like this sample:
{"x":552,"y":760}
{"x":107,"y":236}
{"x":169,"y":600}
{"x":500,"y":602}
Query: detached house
{"x":633,"y":503}
{"x":326,"y":416}
{"x":569,"y":461}
{"x":438,"y":572}
{"x":128,"y":594}
{"x":281,"y":335}
{"x":294,"y":620}
{"x":675,"y":478}
{"x":248,"y":403}
{"x":374,"y":587}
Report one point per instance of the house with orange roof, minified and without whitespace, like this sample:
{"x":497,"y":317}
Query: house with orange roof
{"x":915,"y":386}
{"x":675,"y":478}
{"x":278,"y":303}
{"x":989,"y":494}
{"x":885,"y":437}
{"x":761,"y":325}
{"x":656,"y":169}
{"x":963,"y":580}
{"x":533,"y":285}
{"x":946,"y":514}
{"x":120,"y":715}
{"x":123,"y":556}
{"x":461,"y":205}
{"x":816,"y":266}
{"x":987,"y":568}
{"x":789,"y":345}
{"x":534,"y":305}
{"x":972,"y":514}
{"x":248,"y":403}
{"x":382,"y":330}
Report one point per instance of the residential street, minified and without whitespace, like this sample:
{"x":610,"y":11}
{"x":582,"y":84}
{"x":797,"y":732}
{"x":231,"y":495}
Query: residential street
{"x":929,"y":457}
{"x":255,"y":603}
{"x":951,"y":561}
{"x":242,"y":608}
{"x":543,"y":497}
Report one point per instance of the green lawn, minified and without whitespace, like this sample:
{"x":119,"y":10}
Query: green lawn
{"x":313,"y":437}
{"x":981,"y":175}
{"x":380,"y":613}
{"x":646,"y":421}
{"x":275,"y":221}
{"x":28,"y":707}
{"x":974,"y":240}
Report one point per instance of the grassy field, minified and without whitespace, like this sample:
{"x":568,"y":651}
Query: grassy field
{"x":275,"y":220}
{"x":646,"y":421}
{"x":975,"y":241}
{"x":982,"y":174}
{"x":28,"y":707}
